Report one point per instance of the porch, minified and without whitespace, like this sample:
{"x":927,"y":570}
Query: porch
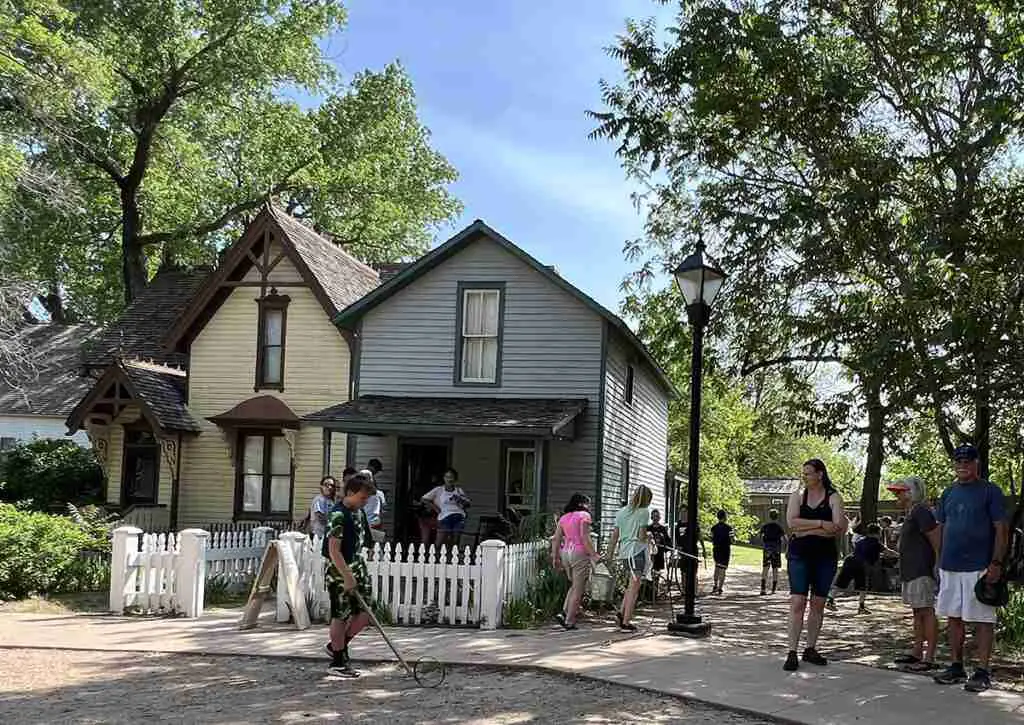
{"x":514,"y":457}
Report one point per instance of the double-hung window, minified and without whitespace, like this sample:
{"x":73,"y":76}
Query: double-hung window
{"x":264,"y":476}
{"x":480,"y":327}
{"x":270,"y":341}
{"x":521,"y":479}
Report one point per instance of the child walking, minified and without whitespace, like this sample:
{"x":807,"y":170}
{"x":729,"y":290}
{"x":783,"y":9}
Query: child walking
{"x":773,"y":536}
{"x":347,"y":535}
{"x":866,"y":553}
{"x":628,"y":544}
{"x":721,"y":549}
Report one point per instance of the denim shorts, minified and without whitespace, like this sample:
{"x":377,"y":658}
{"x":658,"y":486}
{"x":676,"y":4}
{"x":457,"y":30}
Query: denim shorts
{"x":453,"y":523}
{"x":812,"y":576}
{"x":636,"y":565}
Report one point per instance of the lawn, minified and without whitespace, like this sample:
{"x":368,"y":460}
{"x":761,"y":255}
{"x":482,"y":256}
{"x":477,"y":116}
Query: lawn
{"x":744,"y":555}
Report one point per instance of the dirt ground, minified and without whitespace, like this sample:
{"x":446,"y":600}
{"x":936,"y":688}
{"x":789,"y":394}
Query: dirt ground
{"x":59,"y":686}
{"x":745,"y":619}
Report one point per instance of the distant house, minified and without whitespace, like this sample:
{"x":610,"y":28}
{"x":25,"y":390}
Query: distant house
{"x":478,"y":356}
{"x":764,"y":494}
{"x":35,"y":400}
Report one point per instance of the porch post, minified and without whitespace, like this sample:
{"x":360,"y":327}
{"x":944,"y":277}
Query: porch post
{"x":327,"y":452}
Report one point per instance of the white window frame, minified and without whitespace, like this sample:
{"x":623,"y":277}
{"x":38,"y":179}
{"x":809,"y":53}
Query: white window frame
{"x":465,"y":336}
{"x":526,"y":506}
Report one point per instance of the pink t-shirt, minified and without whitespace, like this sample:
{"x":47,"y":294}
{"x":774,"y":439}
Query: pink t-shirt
{"x":572,"y":532}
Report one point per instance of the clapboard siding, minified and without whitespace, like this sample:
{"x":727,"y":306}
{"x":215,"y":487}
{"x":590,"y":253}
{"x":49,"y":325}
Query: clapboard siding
{"x":221,"y":375}
{"x":639,"y":430}
{"x":551,"y":345}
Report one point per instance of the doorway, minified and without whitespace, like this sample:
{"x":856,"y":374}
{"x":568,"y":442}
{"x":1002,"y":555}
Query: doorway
{"x":140,"y":472}
{"x":421,"y":465}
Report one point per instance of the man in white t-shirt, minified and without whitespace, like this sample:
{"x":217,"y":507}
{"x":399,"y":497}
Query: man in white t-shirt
{"x":320,"y":508}
{"x":374,"y":508}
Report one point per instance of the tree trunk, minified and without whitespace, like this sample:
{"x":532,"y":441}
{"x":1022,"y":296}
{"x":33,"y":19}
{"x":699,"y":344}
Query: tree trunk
{"x":133,"y":254}
{"x":873,"y":467}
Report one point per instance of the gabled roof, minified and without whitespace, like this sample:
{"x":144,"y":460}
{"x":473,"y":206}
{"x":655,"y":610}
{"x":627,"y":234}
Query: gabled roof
{"x":336,"y":278}
{"x":138,"y":331}
{"x":53,"y":383}
{"x":158,"y":390}
{"x":771,"y":486}
{"x":479,"y":230}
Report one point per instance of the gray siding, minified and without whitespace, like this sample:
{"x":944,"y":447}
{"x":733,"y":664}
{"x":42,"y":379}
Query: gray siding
{"x":551,"y":348}
{"x":639,"y":431}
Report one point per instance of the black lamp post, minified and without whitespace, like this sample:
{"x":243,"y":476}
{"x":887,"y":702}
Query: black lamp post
{"x":699,"y":283}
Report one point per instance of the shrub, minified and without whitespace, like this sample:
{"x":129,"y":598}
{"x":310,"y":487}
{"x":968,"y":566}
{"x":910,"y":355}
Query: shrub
{"x":1011,"y":621}
{"x":46,"y":474}
{"x":37,"y":552}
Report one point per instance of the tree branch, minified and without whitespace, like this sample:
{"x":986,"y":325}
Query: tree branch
{"x":789,"y":359}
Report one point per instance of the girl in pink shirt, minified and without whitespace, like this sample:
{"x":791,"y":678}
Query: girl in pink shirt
{"x":573,"y":551}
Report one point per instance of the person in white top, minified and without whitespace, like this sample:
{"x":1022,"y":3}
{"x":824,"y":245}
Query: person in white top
{"x":450,"y":502}
{"x":321,"y":507}
{"x":374,"y":508}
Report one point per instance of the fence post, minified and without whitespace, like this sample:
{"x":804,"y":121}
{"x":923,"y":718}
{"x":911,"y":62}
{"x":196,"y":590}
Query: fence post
{"x":261,"y":535}
{"x":190,"y":572}
{"x":125,"y":542}
{"x":296,"y":540}
{"x":492,"y":583}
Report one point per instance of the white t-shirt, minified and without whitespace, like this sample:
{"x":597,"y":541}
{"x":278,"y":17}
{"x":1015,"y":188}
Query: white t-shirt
{"x":321,"y":505}
{"x":374,"y":507}
{"x":446,"y":501}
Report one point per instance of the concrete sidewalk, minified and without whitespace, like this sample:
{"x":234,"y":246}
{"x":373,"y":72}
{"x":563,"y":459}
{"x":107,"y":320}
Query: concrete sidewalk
{"x":710,"y":671}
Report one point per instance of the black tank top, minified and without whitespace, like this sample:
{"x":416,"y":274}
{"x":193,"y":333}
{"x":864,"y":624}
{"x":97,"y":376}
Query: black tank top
{"x":815,"y":547}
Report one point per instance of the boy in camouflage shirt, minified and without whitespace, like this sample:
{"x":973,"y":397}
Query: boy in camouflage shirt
{"x":347,"y":534}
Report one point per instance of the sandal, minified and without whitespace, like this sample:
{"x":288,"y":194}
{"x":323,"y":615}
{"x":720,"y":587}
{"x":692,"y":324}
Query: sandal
{"x":906,"y":660}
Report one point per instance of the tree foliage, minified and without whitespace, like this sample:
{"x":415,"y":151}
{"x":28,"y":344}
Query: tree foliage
{"x":168,"y":122}
{"x":856,"y":164}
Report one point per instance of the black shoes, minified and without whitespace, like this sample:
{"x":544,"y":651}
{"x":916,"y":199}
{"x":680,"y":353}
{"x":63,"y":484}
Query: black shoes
{"x":955,"y":674}
{"x":979,"y":682}
{"x":792,"y":663}
{"x":811,"y":656}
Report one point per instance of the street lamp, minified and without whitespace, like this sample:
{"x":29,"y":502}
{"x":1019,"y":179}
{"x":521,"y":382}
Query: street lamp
{"x":699,"y":282}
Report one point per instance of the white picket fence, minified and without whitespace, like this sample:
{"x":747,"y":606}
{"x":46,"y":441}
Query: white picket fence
{"x":417,"y":585}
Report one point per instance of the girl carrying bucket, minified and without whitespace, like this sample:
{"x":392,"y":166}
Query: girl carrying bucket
{"x":573,"y":552}
{"x":629,"y":545}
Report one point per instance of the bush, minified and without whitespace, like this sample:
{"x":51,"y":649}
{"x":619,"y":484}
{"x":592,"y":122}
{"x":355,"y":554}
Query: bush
{"x":1011,"y":621}
{"x":38,"y":552}
{"x":47,"y":474}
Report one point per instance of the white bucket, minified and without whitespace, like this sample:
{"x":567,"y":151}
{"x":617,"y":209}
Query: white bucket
{"x":602,"y":584}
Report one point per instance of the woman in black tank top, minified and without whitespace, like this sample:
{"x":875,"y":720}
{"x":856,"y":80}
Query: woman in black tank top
{"x":816,"y":520}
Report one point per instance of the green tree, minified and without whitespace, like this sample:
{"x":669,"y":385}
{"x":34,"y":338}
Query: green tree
{"x":855,"y":164}
{"x":169,"y":121}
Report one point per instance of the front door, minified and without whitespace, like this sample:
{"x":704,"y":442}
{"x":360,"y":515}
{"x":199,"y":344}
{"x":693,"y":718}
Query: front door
{"x":140,"y":473}
{"x":421,"y":466}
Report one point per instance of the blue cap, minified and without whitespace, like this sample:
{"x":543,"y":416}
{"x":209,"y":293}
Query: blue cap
{"x":966,"y":452}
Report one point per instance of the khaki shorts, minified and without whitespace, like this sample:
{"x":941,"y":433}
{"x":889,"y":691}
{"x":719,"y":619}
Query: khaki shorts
{"x":577,"y":568}
{"x":919,"y":593}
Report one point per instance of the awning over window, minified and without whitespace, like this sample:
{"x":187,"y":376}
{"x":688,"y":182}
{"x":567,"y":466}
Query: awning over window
{"x":385,"y":415}
{"x":263,"y":411}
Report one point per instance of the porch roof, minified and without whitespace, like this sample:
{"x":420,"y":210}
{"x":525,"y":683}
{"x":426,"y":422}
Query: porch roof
{"x":158,"y":390}
{"x":382,"y":415}
{"x":263,"y":410}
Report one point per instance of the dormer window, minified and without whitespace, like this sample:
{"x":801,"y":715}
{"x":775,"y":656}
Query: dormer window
{"x":270,"y":341}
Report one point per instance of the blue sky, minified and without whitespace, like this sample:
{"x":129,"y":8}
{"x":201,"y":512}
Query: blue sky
{"x":504,"y":88}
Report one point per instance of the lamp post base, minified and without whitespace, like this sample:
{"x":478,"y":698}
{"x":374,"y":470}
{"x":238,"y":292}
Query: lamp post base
{"x":689,"y":626}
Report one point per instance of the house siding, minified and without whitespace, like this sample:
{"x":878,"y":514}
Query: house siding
{"x":638,"y":430}
{"x":222,"y":373}
{"x":551,"y":348}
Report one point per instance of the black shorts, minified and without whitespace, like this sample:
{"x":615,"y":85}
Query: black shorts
{"x":771,"y":558}
{"x":721,"y":554}
{"x":853,"y":571}
{"x":658,"y":561}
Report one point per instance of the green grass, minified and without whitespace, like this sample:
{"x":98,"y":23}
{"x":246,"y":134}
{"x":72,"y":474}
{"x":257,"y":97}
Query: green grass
{"x":743,"y":555}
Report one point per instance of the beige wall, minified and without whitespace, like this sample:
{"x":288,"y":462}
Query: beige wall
{"x":222,"y":373}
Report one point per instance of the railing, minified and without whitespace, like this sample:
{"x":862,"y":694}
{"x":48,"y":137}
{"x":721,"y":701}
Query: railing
{"x":153,"y":518}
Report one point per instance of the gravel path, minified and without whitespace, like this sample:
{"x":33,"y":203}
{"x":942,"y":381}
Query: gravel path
{"x":58,"y":686}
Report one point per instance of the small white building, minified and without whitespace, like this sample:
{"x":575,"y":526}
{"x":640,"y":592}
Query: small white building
{"x":35,"y":402}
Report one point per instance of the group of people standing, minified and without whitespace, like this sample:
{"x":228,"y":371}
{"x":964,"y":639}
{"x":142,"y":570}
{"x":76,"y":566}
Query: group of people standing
{"x":950,"y":563}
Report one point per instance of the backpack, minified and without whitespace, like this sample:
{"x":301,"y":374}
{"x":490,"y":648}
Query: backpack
{"x":350,"y":520}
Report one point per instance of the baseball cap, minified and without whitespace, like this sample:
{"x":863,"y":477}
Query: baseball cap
{"x":966,"y":452}
{"x":897,"y":486}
